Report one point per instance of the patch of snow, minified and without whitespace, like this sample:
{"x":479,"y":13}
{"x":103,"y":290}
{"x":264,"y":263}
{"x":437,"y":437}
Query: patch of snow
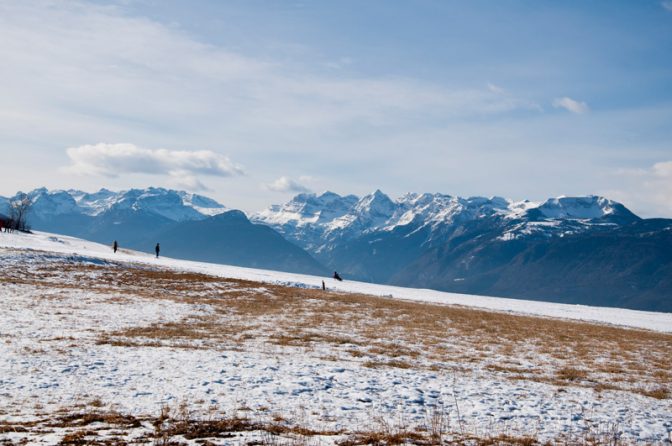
{"x":577,"y":207}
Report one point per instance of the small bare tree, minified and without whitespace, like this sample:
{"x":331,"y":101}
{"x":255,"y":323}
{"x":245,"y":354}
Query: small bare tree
{"x":18,"y":212}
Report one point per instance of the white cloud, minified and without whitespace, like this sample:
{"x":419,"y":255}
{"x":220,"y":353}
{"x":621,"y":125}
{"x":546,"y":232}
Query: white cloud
{"x":286,"y":184}
{"x":182,"y":166}
{"x":188,"y":182}
{"x":667,"y":4}
{"x":78,"y":62}
{"x":647,"y":189}
{"x":571,"y":105}
{"x":495,"y":88}
{"x":663,"y":170}
{"x":340,"y":63}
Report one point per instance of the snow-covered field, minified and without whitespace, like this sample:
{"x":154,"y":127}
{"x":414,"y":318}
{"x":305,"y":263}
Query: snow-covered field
{"x":84,"y":330}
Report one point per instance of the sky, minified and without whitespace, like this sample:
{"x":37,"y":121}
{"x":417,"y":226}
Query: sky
{"x":251,"y":102}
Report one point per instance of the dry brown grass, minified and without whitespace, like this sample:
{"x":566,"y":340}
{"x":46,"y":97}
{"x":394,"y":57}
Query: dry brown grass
{"x":384,"y":438}
{"x":173,"y":427}
{"x":571,"y":374}
{"x":509,"y":369}
{"x":659,"y":393}
{"x":507,"y":440}
{"x":81,"y":437}
{"x":96,"y":403}
{"x":391,"y":363}
{"x":81,"y":419}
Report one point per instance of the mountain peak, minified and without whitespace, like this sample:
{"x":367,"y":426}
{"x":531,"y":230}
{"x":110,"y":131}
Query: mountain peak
{"x":376,"y":203}
{"x":580,"y":208}
{"x":327,"y":194}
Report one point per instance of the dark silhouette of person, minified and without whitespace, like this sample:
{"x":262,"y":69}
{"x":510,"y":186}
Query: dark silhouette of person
{"x":337,"y":277}
{"x":115,"y":246}
{"x":157,"y":249}
{"x":324,"y":287}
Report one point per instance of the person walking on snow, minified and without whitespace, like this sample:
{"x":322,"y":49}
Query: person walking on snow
{"x":115,"y":246}
{"x":157,"y":249}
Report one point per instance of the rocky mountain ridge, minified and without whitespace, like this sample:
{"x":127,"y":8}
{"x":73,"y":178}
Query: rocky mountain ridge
{"x":317,"y":220}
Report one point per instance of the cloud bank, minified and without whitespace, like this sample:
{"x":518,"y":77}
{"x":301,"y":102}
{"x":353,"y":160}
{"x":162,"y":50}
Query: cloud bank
{"x":176,"y":82}
{"x":183,"y":166}
{"x":286,"y":184}
{"x":571,"y":105}
{"x":650,"y":188}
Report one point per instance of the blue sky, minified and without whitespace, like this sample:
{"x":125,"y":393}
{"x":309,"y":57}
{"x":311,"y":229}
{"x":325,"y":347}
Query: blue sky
{"x":252,"y":101}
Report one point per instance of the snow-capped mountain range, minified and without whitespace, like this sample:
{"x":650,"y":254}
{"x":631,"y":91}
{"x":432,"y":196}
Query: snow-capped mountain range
{"x":315,"y":221}
{"x":329,"y":215}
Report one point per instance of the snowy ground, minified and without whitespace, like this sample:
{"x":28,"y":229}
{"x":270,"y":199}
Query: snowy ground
{"x":84,"y":330}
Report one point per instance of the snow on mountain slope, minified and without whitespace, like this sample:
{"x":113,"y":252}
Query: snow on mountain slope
{"x":158,"y":201}
{"x":84,"y":249}
{"x":94,"y":203}
{"x":304,"y":218}
{"x":47,"y":203}
{"x":309,"y":208}
{"x":171,"y":204}
{"x":577,"y":207}
{"x":440,"y":209}
{"x":203,"y":205}
{"x":371,"y":212}
{"x":374,"y":211}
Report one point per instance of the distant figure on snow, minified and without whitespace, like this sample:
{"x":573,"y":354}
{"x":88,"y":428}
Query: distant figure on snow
{"x":115,"y":246}
{"x":337,"y":277}
{"x":324,"y":287}
{"x":157,"y":249}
